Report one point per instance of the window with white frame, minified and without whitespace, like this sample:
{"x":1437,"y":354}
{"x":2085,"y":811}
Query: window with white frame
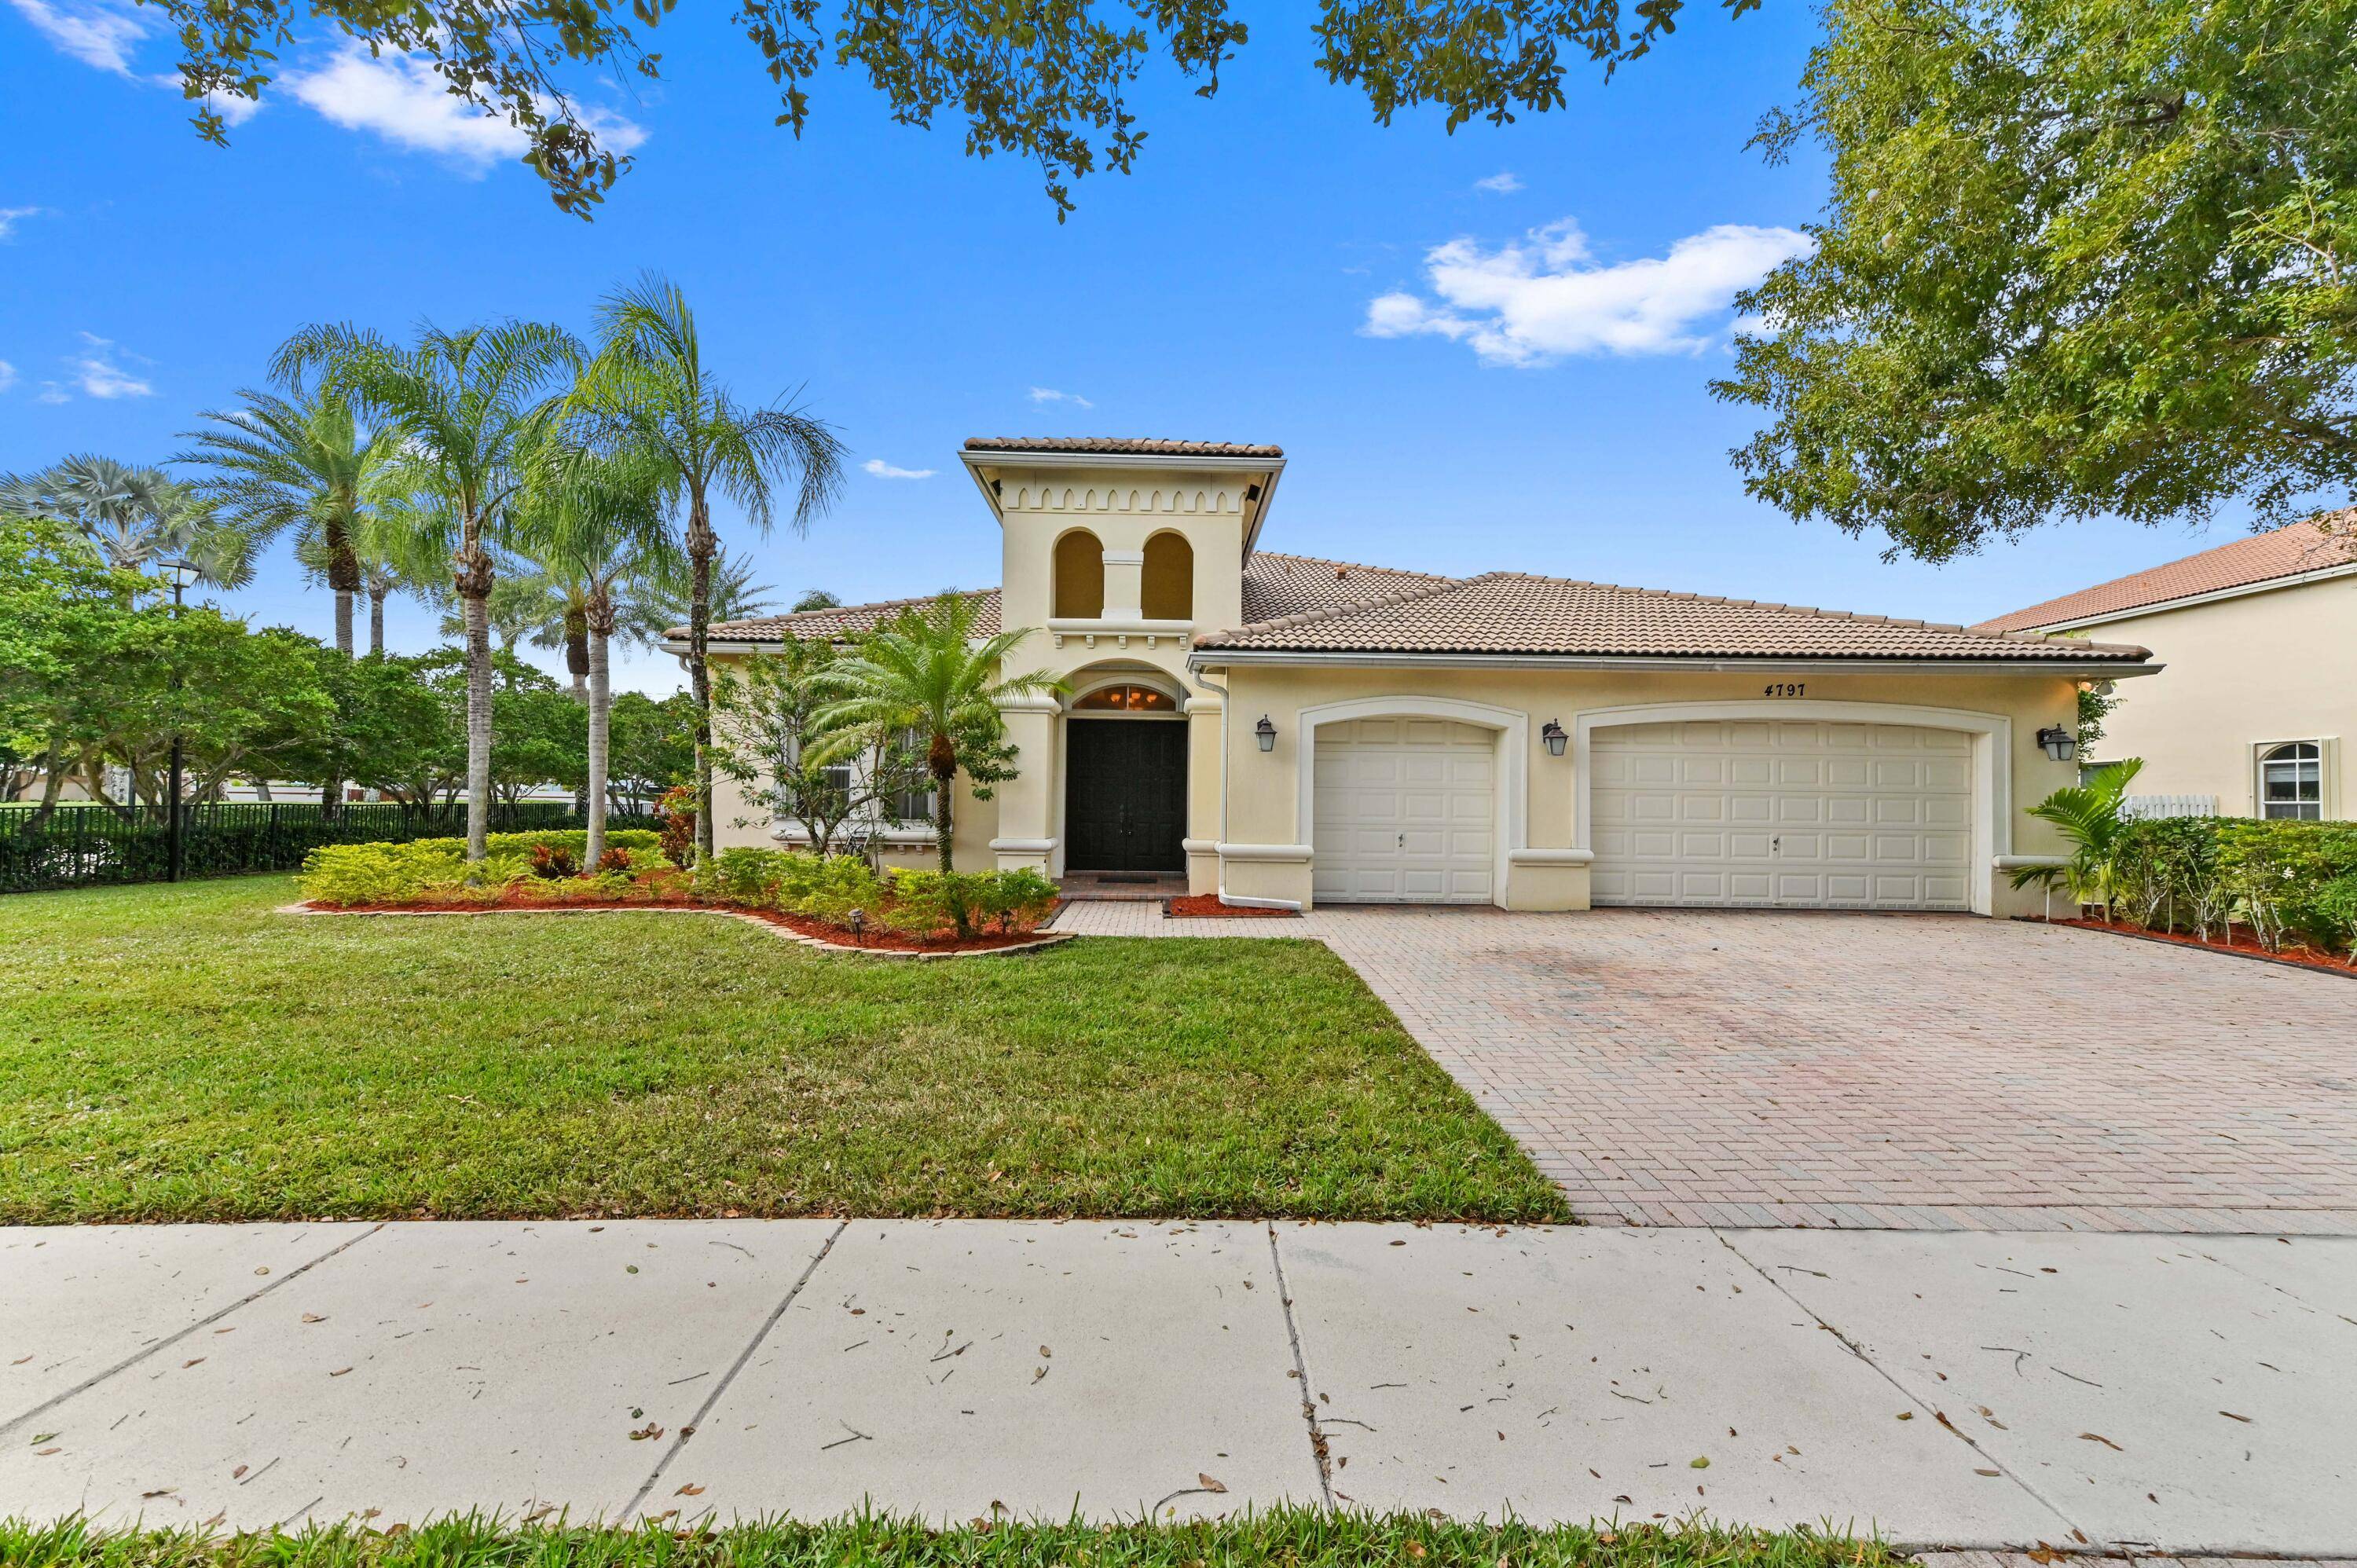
{"x":2291,"y":780}
{"x":914,"y":805}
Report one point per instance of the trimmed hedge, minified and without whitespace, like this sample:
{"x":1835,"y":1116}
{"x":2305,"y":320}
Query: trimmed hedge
{"x":2286,"y":881}
{"x":438,"y":868}
{"x":918,"y":903}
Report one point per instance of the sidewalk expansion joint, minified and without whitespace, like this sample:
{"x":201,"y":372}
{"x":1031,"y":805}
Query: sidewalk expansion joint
{"x":1938,"y":1419}
{"x":1301,"y":1375}
{"x":170,"y":1340}
{"x":689,"y":1428}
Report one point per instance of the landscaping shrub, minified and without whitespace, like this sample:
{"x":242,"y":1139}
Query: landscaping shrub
{"x":964,"y":902}
{"x":403,"y":873}
{"x":748,"y":877}
{"x":637,"y":840}
{"x":677,"y":810}
{"x":829,"y":889}
{"x":553,"y":860}
{"x":2286,"y":881}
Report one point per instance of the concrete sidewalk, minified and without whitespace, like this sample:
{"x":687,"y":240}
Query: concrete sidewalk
{"x":2191,"y":1394}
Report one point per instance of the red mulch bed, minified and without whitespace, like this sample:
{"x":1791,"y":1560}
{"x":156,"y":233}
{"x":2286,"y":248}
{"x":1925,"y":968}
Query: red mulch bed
{"x":2238,"y":942}
{"x":801,"y":925}
{"x":1207,"y":906}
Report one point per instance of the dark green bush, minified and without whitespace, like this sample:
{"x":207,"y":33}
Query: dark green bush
{"x":2286,"y":881}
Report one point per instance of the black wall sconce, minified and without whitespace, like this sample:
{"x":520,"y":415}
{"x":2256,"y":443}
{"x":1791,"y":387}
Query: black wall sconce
{"x":2059,"y":743}
{"x":1555,"y":738}
{"x":1267,"y":733}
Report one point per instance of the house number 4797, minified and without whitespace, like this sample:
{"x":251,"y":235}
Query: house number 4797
{"x":1786,"y":689}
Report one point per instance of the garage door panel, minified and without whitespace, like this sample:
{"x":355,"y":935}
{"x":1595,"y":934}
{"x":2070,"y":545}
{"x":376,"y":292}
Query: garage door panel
{"x":1814,"y":814}
{"x":1415,"y":824}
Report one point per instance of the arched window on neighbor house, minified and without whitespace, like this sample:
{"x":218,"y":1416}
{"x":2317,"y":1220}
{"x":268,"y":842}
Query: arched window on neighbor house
{"x":1079,"y":590}
{"x":1169,"y":585}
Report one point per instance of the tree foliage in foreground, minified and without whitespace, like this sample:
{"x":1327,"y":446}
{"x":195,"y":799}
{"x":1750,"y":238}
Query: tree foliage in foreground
{"x":2081,"y":257}
{"x":1042,"y":79}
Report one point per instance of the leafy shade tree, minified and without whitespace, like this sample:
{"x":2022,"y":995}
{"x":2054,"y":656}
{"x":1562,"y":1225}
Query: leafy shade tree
{"x":649,"y":392}
{"x":134,"y":517}
{"x":927,"y":671}
{"x":543,"y":734}
{"x":660,"y":603}
{"x":2081,"y":257}
{"x":816,"y":600}
{"x":301,"y":465}
{"x":1048,"y":84}
{"x":61,"y":613}
{"x":768,"y":740}
{"x":390,"y":729}
{"x":466,"y":411}
{"x":591,"y":524}
{"x":653,"y":748}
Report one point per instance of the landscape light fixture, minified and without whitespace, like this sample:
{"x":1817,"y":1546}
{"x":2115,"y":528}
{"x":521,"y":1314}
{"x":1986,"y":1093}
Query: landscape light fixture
{"x":1268,"y":734}
{"x":180,"y":573}
{"x":1555,"y":738}
{"x":2059,"y":743}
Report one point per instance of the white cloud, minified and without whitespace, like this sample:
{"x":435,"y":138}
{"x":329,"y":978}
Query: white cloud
{"x":52,"y":392}
{"x":1503,"y":183}
{"x":97,"y":373}
{"x":233,"y":109}
{"x":404,"y":101}
{"x":1540,"y":299}
{"x":7,"y":375}
{"x":12,"y":216}
{"x":1049,"y":394}
{"x":100,"y":36}
{"x":883,"y":470}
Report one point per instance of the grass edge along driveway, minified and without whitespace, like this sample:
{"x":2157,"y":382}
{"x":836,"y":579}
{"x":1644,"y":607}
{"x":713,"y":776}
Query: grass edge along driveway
{"x":1293,"y":1538}
{"x":184,"y":1053}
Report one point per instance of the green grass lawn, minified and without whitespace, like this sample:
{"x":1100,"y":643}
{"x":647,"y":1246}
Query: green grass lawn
{"x":1290,"y":1537}
{"x":184,"y":1053}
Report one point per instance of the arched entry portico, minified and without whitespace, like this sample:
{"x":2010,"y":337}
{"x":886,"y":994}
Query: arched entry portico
{"x":1125,"y":795}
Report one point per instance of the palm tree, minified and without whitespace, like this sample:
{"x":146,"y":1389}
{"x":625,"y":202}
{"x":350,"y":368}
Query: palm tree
{"x":591,"y":524}
{"x":660,"y":603}
{"x":925,"y":670}
{"x":135,"y":518}
{"x":2091,"y":819}
{"x":521,"y":603}
{"x":304,"y":465}
{"x":649,"y":387}
{"x":377,"y":546}
{"x":465,"y":411}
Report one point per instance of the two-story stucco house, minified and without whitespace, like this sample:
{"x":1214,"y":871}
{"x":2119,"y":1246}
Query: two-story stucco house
{"x":1284,"y":730}
{"x":2260,"y":638}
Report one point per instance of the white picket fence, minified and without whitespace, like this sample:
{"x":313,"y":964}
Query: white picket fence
{"x":2169,"y":806}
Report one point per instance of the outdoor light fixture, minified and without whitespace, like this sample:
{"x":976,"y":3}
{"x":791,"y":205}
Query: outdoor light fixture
{"x":858,"y":923}
{"x":1555,"y":738}
{"x":2059,"y":743}
{"x":180,"y":573}
{"x":1268,"y":734}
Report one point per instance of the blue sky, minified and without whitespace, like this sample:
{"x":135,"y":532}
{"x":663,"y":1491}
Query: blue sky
{"x":1485,"y":350}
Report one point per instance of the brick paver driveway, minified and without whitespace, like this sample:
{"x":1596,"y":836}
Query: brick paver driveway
{"x":1685,"y":1067}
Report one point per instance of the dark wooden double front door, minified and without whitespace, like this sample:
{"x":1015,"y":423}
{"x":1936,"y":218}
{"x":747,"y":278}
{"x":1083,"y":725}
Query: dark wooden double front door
{"x":1125,"y":795}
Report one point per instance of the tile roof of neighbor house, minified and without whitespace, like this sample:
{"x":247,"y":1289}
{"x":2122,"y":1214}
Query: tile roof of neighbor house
{"x":2314,"y":545}
{"x":1302,"y":604}
{"x":1119,"y":446}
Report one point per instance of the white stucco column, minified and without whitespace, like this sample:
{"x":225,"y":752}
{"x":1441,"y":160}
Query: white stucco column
{"x":1124,"y":585}
{"x":1027,"y":803}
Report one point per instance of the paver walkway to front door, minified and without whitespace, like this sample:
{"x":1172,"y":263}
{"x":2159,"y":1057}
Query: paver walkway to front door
{"x":1914,"y":1073}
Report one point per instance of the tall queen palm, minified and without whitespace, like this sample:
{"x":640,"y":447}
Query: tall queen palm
{"x":649,"y":387}
{"x":302,"y":464}
{"x":592,"y":524}
{"x":466,"y":411}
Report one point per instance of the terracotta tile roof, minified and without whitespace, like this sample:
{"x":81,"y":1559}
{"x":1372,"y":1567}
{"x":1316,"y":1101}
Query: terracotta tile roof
{"x":1503,"y":613}
{"x":1303,"y":604}
{"x":2328,"y":539}
{"x":848,"y":619}
{"x":1119,"y":446}
{"x":1278,"y":584}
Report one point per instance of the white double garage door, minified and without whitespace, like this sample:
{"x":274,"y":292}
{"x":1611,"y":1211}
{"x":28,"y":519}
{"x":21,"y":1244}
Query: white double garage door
{"x":1725,"y":813}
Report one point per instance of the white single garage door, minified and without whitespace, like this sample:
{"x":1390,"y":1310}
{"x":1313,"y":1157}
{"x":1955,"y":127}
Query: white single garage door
{"x":1404,"y":812}
{"x":1801,"y":815}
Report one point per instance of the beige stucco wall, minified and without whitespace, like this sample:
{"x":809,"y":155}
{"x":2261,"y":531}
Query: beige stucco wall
{"x":1264,"y":817}
{"x":2241,"y":674}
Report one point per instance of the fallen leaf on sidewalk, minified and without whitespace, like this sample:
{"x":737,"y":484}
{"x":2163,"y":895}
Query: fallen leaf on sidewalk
{"x":2099,"y":1437}
{"x":192,"y":1361}
{"x":340,"y":1371}
{"x":1698,"y":1465}
{"x":2230,"y":1415}
{"x":315,"y":1318}
{"x":690,"y":1490}
{"x":644,"y":1432}
{"x":1209,"y":1485}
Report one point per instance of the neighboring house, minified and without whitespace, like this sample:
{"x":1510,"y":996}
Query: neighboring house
{"x":1285,"y":730}
{"x":2260,"y":640}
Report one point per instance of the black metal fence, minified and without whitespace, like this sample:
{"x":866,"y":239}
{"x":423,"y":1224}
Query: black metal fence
{"x":85,"y":846}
